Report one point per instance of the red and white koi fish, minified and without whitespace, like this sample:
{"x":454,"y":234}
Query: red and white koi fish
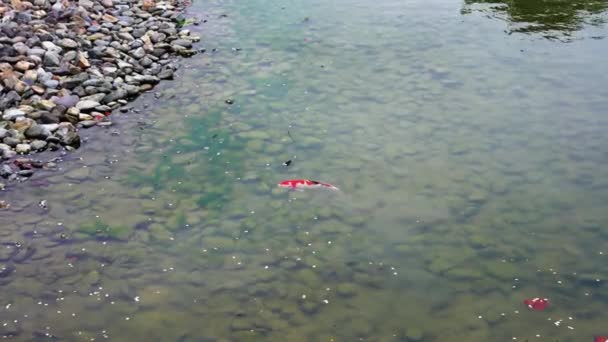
{"x":600,"y":339}
{"x":305,"y":183}
{"x":537,"y":304}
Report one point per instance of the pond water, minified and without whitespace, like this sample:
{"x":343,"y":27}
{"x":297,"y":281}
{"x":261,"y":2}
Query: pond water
{"x":468,"y":141}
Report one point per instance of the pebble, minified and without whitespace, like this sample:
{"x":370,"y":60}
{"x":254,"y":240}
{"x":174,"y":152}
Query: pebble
{"x":88,"y":123}
{"x":87,"y":104}
{"x":23,"y":148}
{"x":38,"y":145}
{"x":5,"y":171}
{"x":12,"y":114}
{"x":68,"y":43}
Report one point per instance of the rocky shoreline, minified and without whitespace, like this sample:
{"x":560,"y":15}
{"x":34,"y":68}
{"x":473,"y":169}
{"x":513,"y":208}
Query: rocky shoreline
{"x":67,"y":65}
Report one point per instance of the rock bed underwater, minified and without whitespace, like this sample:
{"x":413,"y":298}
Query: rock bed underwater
{"x":447,"y":221}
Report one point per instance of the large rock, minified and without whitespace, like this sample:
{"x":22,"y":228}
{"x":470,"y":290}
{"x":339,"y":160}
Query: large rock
{"x":37,"y":132}
{"x":68,"y":43}
{"x":23,"y":148}
{"x":9,"y":99}
{"x":12,"y":114}
{"x":74,"y":81}
{"x":118,"y":94}
{"x":94,"y":97}
{"x":182,"y":42}
{"x":21,"y":48}
{"x":49,"y":46}
{"x":10,"y":141}
{"x":49,"y":118}
{"x":5,"y":171}
{"x":66,"y":133}
{"x":87,"y":104}
{"x":38,"y":145}
{"x":67,"y":100}
{"x":138,"y":53}
{"x":51,"y":58}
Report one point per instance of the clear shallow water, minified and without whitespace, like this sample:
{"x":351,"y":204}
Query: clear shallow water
{"x":471,"y":165}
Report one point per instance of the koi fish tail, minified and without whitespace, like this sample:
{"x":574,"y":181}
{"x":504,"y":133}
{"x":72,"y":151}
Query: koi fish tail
{"x":327,"y":185}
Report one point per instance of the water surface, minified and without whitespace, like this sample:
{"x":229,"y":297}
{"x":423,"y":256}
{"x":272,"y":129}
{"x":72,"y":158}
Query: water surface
{"x":471,"y":159}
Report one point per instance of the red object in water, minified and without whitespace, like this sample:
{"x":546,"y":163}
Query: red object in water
{"x":305,"y":183}
{"x":600,"y":339}
{"x":537,"y":304}
{"x":107,"y":113}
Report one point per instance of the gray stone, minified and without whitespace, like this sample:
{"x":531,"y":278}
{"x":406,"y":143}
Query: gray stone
{"x":23,"y":148}
{"x":66,"y":133}
{"x":37,"y":132}
{"x":87,"y":104}
{"x":5,"y":171}
{"x":21,"y":48}
{"x":137,"y":79}
{"x":49,"y":118}
{"x":50,"y":127}
{"x":51,"y":58}
{"x":26,"y":173}
{"x":93,"y":82}
{"x":36,"y":51}
{"x":53,"y":84}
{"x":126,"y":36}
{"x":3,"y":133}
{"x":8,"y":154}
{"x":74,"y":81}
{"x":30,"y":77}
{"x":12,"y":114}
{"x":9,"y":99}
{"x":67,"y":101}
{"x":88,"y":4}
{"x":88,"y":123}
{"x":138,"y":32}
{"x":38,"y":145}
{"x":158,"y":37}
{"x":145,"y":62}
{"x":70,"y":56}
{"x":182,"y":42}
{"x":49,"y":46}
{"x":138,"y":53}
{"x":10,"y":141}
{"x":109,"y":70}
{"x":68,"y":43}
{"x":94,"y":98}
{"x":118,"y":94}
{"x":165,"y":74}
{"x":124,"y":65}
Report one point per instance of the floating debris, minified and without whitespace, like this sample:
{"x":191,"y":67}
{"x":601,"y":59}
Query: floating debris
{"x":287,"y":163}
{"x":537,"y":304}
{"x":43,"y":204}
{"x":229,"y":101}
{"x":4,"y":205}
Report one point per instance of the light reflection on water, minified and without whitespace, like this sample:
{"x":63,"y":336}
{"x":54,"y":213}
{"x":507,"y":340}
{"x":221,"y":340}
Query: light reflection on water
{"x":470,"y":163}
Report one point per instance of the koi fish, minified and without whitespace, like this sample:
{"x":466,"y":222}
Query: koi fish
{"x":537,"y":304}
{"x":305,"y":183}
{"x":600,"y":339}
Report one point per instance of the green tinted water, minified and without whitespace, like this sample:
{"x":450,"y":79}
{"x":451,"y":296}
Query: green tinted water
{"x":471,"y":163}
